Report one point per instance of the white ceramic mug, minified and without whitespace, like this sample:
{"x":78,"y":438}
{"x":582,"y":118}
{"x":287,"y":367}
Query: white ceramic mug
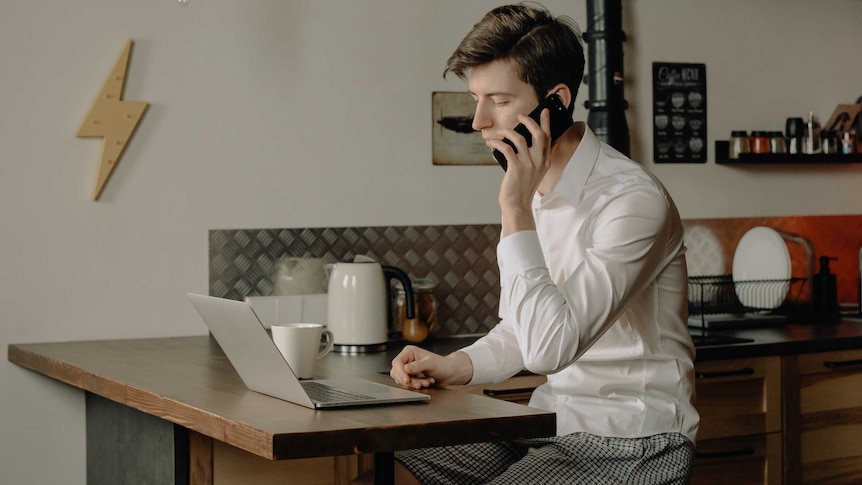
{"x":300,"y":344}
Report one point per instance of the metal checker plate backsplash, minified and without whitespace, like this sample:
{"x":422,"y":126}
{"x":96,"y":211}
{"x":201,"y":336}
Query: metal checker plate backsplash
{"x":462,"y":259}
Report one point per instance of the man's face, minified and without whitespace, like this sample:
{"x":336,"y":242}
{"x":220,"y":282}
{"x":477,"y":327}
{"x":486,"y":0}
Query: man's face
{"x":500,"y":97}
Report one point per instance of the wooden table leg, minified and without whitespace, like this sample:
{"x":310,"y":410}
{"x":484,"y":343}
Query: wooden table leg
{"x":200,"y":459}
{"x":384,"y":468}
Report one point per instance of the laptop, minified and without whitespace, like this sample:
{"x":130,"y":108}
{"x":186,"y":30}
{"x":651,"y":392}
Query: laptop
{"x":263,"y":369}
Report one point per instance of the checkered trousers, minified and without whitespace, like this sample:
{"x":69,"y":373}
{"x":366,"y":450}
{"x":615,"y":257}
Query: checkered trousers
{"x":578,"y":458}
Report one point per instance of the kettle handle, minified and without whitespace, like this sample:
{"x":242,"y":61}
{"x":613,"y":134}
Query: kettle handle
{"x":391,"y":272}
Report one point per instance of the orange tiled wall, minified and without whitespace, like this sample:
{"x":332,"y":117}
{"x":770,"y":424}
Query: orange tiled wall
{"x":835,"y":236}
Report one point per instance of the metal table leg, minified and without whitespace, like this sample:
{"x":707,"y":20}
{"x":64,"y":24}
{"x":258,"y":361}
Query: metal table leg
{"x":384,"y":468}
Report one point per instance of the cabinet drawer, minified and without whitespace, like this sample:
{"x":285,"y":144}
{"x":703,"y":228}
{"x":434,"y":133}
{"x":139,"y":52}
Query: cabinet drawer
{"x":830,"y":381}
{"x":740,"y":460}
{"x":840,"y":471}
{"x":738,"y":397}
{"x":830,"y":423}
{"x":831,"y":362}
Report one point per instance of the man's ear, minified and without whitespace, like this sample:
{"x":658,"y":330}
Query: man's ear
{"x":564,"y":93}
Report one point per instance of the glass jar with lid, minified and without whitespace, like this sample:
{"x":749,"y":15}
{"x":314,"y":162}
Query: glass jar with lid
{"x":425,"y":304}
{"x":738,"y":143}
{"x":759,"y":142}
{"x":777,"y":143}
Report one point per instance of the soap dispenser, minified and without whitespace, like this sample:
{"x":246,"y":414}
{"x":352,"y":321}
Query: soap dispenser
{"x":825,"y":289}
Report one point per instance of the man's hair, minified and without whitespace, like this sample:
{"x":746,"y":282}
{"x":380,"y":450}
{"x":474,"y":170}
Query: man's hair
{"x":545,"y":49}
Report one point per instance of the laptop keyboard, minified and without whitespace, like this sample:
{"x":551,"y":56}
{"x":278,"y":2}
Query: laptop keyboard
{"x":322,"y":393}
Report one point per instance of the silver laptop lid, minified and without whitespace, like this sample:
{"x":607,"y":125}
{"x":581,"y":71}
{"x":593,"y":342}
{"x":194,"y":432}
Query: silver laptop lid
{"x":248,"y":347}
{"x":261,"y":366}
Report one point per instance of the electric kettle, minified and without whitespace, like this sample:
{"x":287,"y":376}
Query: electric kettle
{"x":359,"y":305}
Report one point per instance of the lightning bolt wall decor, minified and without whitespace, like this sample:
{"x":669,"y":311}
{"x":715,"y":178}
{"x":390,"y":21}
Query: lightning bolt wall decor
{"x":112,"y":119}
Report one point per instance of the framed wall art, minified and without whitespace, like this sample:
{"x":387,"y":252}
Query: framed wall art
{"x":453,"y":140}
{"x":679,"y":112}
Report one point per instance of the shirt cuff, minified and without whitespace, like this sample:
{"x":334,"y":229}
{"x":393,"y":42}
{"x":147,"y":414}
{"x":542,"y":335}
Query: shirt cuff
{"x":482,"y":357}
{"x":518,"y":252}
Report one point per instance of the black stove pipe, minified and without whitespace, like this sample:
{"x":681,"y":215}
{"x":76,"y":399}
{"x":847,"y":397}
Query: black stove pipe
{"x":607,"y":104}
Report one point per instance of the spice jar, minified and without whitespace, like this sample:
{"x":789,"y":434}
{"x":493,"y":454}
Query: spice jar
{"x":777,"y":143}
{"x":738,"y":143}
{"x":425,"y":323}
{"x":759,"y":142}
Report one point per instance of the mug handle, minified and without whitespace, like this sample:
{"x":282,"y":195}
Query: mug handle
{"x":330,"y":341}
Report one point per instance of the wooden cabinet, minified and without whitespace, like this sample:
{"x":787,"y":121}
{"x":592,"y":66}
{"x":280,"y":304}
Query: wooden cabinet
{"x":740,"y":435}
{"x":740,"y":404}
{"x":765,"y":420}
{"x":743,"y":460}
{"x":792,"y":419}
{"x":825,"y":415}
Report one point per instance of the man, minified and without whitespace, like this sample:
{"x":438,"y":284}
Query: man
{"x":593,"y":284}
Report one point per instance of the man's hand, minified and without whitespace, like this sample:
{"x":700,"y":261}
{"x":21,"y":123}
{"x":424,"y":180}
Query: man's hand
{"x":417,"y":368}
{"x":527,"y":169}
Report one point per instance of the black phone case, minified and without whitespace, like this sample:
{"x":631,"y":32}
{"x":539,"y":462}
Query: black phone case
{"x":561,"y":120}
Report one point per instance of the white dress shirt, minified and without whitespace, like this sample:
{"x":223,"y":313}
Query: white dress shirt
{"x":596,"y":299}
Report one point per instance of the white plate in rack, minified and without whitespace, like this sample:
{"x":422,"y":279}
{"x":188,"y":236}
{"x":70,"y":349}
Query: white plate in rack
{"x":761,"y":255}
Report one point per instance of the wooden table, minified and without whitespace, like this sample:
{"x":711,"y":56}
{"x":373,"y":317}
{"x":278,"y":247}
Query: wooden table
{"x":190,"y":387}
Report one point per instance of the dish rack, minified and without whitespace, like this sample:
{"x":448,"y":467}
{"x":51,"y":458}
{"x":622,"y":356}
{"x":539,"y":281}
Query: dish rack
{"x":719,"y":301}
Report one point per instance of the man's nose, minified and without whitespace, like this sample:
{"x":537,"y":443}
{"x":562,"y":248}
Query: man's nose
{"x":480,"y":120}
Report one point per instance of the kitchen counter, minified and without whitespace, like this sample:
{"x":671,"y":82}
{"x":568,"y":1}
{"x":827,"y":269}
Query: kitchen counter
{"x":784,"y":339}
{"x":776,"y":339}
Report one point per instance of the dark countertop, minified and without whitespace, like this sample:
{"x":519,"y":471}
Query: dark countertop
{"x":785,"y":339}
{"x":765,"y":340}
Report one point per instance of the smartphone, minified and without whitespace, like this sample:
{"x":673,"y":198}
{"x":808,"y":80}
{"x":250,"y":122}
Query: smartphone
{"x":561,"y":120}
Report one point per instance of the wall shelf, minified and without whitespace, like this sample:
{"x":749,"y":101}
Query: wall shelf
{"x":722,"y":150}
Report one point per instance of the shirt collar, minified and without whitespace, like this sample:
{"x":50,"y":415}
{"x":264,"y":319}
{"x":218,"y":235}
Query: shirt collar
{"x":579,"y":167}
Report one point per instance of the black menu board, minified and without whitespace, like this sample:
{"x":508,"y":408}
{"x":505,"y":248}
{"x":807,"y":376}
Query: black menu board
{"x":679,"y":112}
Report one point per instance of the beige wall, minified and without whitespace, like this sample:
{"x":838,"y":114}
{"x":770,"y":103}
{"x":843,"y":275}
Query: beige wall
{"x":316,"y":113}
